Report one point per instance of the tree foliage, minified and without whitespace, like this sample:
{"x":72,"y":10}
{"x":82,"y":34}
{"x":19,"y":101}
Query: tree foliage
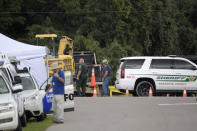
{"x":111,"y":28}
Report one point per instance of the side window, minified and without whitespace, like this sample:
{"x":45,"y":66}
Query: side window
{"x":5,"y":72}
{"x":35,"y":81}
{"x":182,"y":65}
{"x":133,"y":64}
{"x":3,"y":86}
{"x":161,"y":64}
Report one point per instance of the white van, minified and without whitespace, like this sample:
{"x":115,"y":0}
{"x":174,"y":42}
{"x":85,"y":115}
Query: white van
{"x":33,"y":99}
{"x":14,"y":80}
{"x":9,"y":110}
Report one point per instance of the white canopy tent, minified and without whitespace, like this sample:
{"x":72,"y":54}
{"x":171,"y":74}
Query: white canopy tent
{"x":28,"y":55}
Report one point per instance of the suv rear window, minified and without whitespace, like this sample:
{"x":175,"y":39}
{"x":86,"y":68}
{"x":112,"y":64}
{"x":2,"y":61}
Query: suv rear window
{"x":133,"y":64}
{"x":184,"y":65}
{"x":5,"y":72}
{"x":161,"y":64}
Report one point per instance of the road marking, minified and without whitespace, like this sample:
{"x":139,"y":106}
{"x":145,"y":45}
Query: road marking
{"x":177,"y":104}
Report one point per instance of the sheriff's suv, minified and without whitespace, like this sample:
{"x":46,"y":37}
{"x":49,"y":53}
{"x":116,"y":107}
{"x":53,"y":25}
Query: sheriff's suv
{"x":163,"y":74}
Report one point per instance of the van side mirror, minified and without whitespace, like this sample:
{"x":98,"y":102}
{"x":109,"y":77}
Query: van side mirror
{"x":17,"y":80}
{"x":17,"y":88}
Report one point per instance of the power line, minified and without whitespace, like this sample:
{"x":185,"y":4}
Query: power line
{"x":86,"y":12}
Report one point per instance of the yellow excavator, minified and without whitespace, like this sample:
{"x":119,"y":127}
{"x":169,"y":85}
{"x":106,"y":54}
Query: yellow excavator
{"x":68,"y":59}
{"x":65,"y":53}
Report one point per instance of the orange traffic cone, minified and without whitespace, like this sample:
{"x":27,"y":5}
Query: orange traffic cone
{"x":127,"y":92}
{"x":94,"y":94}
{"x":150,"y":92}
{"x":93,"y":81}
{"x":184,"y":92}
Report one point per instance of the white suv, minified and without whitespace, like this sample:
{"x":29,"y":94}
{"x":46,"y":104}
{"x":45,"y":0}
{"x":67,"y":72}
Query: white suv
{"x":164,"y":74}
{"x":9,"y":117}
{"x":33,"y":99}
{"x":14,"y":80}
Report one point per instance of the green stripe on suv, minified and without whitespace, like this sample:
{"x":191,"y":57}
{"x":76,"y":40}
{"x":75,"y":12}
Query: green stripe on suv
{"x":174,"y":78}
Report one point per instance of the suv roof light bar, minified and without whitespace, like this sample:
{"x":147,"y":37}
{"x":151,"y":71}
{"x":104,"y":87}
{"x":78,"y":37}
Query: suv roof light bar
{"x":172,"y":56}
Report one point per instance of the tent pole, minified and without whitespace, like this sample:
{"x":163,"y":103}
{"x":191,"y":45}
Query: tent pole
{"x":47,"y":67}
{"x":53,"y":46}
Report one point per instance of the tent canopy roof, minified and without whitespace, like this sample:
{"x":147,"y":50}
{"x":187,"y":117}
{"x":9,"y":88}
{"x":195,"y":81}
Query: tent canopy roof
{"x":22,"y":51}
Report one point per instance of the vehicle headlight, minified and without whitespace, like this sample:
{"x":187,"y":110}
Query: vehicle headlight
{"x":32,"y":98}
{"x":6,"y":107}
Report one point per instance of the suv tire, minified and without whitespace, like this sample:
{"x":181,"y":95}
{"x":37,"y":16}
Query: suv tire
{"x":19,"y":127}
{"x":41,"y":117}
{"x":142,"y":88}
{"x":24,"y":120}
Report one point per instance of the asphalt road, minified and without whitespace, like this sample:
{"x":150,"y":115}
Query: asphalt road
{"x":131,"y":114}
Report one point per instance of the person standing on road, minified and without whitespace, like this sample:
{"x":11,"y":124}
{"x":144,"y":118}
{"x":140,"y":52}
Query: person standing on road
{"x":57,"y":84}
{"x":105,"y":77}
{"x":81,"y":78}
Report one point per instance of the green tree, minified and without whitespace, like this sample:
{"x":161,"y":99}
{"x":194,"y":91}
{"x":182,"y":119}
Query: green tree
{"x":111,"y":28}
{"x":10,"y":21}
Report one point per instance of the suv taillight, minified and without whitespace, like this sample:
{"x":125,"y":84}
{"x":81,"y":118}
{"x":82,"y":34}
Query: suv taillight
{"x":122,"y":73}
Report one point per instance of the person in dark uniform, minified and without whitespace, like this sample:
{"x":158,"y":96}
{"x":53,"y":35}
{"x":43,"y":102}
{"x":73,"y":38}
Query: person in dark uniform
{"x":81,"y":78}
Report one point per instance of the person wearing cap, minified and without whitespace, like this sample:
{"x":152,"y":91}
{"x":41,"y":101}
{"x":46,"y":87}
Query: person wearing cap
{"x":105,"y":77}
{"x":57,"y":84}
{"x":82,"y":74}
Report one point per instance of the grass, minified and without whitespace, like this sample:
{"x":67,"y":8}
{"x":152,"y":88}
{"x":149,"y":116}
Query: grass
{"x":34,"y":125}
